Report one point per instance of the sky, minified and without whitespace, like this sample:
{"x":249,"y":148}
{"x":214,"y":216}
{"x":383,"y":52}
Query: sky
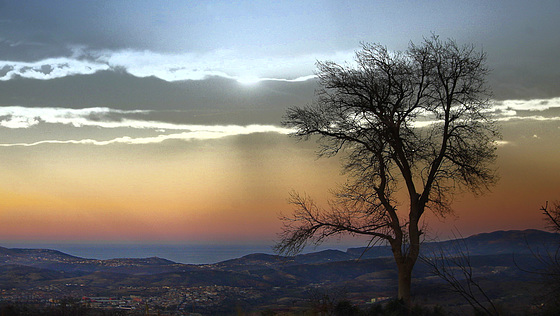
{"x":151,"y":121}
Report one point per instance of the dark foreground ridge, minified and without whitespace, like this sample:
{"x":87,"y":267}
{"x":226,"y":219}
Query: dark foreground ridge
{"x":502,"y":260}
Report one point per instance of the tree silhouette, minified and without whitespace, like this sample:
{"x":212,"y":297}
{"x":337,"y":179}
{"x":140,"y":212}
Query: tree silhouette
{"x":549,"y":258}
{"x":453,"y":265}
{"x":552,"y":216}
{"x":414,"y":121}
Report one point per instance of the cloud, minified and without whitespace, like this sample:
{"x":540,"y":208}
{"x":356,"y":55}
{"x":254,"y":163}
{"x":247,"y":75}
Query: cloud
{"x":532,"y":105}
{"x":22,"y":118}
{"x":535,"y":109}
{"x":171,"y":67}
{"x":197,"y":133}
{"x":502,"y":143}
{"x":17,"y":121}
{"x":51,"y":68}
{"x":509,"y":110}
{"x":176,"y":127}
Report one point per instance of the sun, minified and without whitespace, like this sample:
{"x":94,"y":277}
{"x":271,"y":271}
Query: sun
{"x":248,"y":80}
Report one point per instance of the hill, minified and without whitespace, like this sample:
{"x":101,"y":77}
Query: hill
{"x":497,"y":242}
{"x":501,"y":260}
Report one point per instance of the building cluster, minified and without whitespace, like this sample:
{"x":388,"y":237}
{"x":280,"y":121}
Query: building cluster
{"x":165,"y":298}
{"x":125,"y":302}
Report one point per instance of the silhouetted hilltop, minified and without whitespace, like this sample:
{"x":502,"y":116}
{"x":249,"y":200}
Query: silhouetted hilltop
{"x":138,"y":261}
{"x":497,"y":242}
{"x":323,"y":256}
{"x":14,"y":255}
{"x":56,"y":260}
{"x":511,"y":241}
{"x":32,"y":267}
{"x":255,"y":258}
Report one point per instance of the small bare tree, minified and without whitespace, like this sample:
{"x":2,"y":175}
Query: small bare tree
{"x":415,"y":120}
{"x":552,"y":216}
{"x":549,"y":258}
{"x":453,"y":265}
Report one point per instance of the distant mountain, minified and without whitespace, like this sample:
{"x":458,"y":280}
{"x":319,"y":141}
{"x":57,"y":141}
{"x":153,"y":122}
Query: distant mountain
{"x":138,"y":261}
{"x":498,"y":242}
{"x":511,"y":241}
{"x":262,"y":259}
{"x":15,"y":255}
{"x":370,"y":253}
{"x":56,"y":260}
{"x":504,"y":261}
{"x":33,"y":267}
{"x":323,"y":256}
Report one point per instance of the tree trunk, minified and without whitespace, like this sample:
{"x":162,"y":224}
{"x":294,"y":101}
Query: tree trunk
{"x":405,"y":278}
{"x":405,"y":262}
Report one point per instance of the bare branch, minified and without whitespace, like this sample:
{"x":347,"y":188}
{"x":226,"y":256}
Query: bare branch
{"x":453,"y":265}
{"x":552,"y":216}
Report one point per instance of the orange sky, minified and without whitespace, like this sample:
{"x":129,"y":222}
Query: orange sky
{"x":233,"y":188}
{"x":216,"y":190}
{"x":133,"y":121}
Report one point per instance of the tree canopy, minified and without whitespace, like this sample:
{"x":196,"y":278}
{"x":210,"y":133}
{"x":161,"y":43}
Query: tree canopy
{"x":414,"y":121}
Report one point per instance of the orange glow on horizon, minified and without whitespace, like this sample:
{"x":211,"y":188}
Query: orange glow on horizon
{"x":227,"y":190}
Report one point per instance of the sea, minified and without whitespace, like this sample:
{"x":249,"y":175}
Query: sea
{"x":180,"y":253}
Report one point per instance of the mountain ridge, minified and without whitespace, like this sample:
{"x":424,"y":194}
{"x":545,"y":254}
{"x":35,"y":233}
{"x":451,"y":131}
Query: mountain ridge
{"x":500,"y":241}
{"x":270,"y":279}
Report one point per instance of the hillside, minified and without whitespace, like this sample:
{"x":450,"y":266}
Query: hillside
{"x":498,"y":242}
{"x":501,"y":260}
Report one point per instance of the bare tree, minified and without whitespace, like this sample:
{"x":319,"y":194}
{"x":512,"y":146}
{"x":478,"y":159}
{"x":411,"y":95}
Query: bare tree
{"x":453,"y":265}
{"x":549,"y":258}
{"x":415,"y":120}
{"x":552,"y":216}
